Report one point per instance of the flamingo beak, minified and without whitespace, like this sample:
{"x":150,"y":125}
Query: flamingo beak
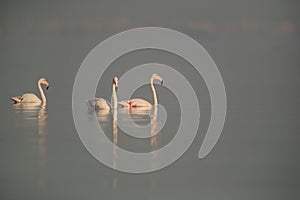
{"x":116,"y":88}
{"x":161,"y":82}
{"x":46,"y":84}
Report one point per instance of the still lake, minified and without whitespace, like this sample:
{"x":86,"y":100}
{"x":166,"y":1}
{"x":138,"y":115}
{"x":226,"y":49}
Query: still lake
{"x":256,"y":157}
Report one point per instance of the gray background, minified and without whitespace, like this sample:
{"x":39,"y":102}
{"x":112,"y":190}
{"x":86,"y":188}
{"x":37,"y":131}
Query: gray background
{"x":256,"y":46}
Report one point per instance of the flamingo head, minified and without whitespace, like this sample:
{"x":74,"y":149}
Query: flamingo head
{"x":115,"y":82}
{"x":157,"y":77}
{"x":44,"y":82}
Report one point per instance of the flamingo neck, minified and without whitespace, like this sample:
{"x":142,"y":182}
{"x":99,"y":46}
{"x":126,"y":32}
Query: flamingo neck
{"x":42,"y":93}
{"x":153,"y":92}
{"x":114,"y":97}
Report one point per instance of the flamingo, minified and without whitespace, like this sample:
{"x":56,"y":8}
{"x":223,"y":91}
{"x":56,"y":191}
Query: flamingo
{"x":32,"y":98}
{"x":134,"y":103}
{"x":103,"y":104}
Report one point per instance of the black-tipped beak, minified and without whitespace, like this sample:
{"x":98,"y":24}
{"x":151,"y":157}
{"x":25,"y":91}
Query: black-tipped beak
{"x":116,"y":88}
{"x":162,"y":82}
{"x":47,"y":87}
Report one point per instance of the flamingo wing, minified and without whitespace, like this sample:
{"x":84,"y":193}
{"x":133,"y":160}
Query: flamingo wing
{"x":30,"y":98}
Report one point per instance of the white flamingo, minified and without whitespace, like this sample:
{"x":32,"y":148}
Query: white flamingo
{"x":134,"y":103}
{"x":32,"y":98}
{"x":103,"y":104}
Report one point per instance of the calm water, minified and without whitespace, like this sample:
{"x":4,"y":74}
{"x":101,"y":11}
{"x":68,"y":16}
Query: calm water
{"x":257,"y":155}
{"x":43,"y":157}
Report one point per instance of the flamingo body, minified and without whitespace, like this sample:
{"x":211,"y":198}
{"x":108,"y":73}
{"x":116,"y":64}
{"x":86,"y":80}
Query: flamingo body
{"x":134,"y":103}
{"x":30,"y":97}
{"x":99,"y":104}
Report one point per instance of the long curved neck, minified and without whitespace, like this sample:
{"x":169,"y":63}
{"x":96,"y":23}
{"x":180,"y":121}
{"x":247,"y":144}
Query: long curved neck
{"x":42,"y":93}
{"x":153,"y":92}
{"x":114,"y":97}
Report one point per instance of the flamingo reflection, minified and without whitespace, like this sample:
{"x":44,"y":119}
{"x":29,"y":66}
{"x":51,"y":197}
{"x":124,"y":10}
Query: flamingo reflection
{"x":36,"y":115}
